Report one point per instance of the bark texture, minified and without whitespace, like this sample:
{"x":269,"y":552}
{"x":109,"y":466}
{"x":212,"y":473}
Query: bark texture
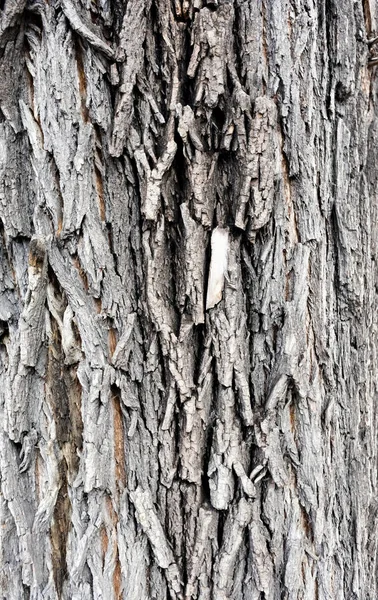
{"x":188,"y":300}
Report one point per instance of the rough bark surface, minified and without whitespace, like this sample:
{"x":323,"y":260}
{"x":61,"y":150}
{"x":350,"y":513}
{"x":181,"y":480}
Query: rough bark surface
{"x":188,"y":300}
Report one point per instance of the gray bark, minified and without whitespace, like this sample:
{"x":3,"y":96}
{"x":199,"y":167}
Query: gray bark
{"x":188,"y":299}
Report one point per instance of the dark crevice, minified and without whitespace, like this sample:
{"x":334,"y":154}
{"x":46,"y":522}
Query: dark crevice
{"x":34,"y":19}
{"x":239,"y":48}
{"x":222,"y":516}
{"x":216,"y":125}
{"x":328,"y":25}
{"x":118,"y":8}
{"x":18,"y":445}
{"x":173,"y":248}
{"x":200,"y":337}
{"x":205,"y":488}
{"x":187,"y":87}
{"x":26,"y":590}
{"x":206,"y":273}
{"x":335,"y":236}
{"x":180,"y":173}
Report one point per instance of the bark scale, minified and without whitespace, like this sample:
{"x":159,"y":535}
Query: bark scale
{"x":188,"y":294}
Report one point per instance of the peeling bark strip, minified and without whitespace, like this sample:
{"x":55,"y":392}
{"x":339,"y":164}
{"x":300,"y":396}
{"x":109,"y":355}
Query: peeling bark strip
{"x":188,"y":300}
{"x":218,"y":266}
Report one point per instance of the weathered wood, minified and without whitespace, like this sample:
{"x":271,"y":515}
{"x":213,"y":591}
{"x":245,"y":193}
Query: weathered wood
{"x":188,"y":299}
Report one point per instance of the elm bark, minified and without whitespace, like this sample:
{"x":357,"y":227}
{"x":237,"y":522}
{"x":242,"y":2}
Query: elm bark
{"x":188,"y":299}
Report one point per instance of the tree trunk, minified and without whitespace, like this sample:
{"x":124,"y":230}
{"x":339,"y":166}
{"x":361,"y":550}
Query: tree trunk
{"x":188,"y":299}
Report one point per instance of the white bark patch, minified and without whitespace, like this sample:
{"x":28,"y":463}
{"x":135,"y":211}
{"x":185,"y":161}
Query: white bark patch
{"x":218,"y":266}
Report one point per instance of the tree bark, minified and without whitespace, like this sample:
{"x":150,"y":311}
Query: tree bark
{"x":188,"y":299}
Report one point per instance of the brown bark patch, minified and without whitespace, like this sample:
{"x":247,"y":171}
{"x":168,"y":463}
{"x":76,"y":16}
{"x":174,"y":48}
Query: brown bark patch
{"x":56,"y":388}
{"x":117,"y":577}
{"x":367,"y":16}
{"x":76,"y":421}
{"x":293,"y":424}
{"x":82,"y":273}
{"x":60,"y":527}
{"x":82,"y":80}
{"x":110,"y":511}
{"x":104,"y":543}
{"x":289,"y":285}
{"x":119,"y":448}
{"x":117,"y":574}
{"x":64,"y":394}
{"x":37,"y":254}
